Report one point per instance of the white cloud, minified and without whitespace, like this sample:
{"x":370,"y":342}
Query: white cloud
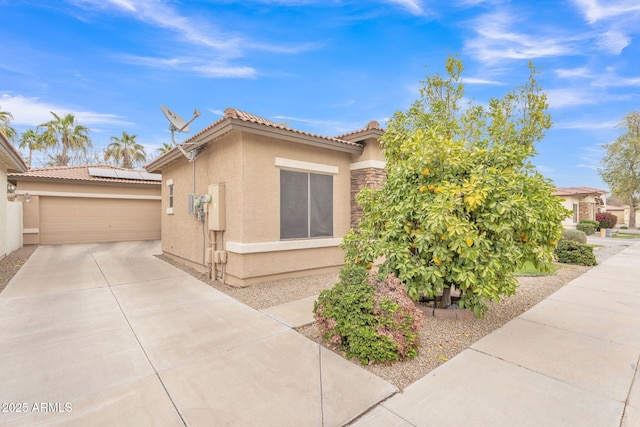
{"x":587,"y":124}
{"x":610,"y":78}
{"x":217,"y":46}
{"x":591,"y":157}
{"x":478,"y":81}
{"x":413,"y":6}
{"x":613,"y":41}
{"x":215,"y":69}
{"x":559,"y":98}
{"x":572,"y":73}
{"x":33,"y":112}
{"x":593,"y":11}
{"x":496,"y":40}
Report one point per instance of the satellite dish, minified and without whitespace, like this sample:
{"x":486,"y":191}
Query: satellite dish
{"x":178,"y":124}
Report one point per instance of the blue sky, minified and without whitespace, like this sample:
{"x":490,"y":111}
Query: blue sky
{"x":325,"y":66}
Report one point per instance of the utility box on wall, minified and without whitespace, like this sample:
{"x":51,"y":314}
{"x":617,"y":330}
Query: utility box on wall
{"x":217,"y":216}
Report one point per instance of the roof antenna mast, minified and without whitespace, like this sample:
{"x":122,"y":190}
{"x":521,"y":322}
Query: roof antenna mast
{"x":178,"y":124}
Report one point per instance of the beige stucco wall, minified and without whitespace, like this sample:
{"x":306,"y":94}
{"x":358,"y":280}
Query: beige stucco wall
{"x":246,"y":164}
{"x":372,"y":151}
{"x":568,"y":202}
{"x":220,"y":162}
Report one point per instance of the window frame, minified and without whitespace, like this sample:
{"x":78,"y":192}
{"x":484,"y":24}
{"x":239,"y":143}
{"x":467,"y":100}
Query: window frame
{"x":311,"y":195}
{"x":171,"y":197}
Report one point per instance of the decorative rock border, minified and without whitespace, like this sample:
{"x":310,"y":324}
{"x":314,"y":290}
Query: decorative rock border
{"x":444,"y":313}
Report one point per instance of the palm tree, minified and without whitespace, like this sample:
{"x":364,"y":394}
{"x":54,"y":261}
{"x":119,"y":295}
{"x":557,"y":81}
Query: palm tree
{"x":68,"y":133}
{"x":166,"y":147}
{"x":33,"y":141}
{"x":125,"y":151}
{"x":5,"y":119}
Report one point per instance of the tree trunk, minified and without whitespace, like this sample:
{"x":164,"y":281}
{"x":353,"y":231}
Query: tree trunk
{"x":445,"y":301}
{"x":632,"y":212}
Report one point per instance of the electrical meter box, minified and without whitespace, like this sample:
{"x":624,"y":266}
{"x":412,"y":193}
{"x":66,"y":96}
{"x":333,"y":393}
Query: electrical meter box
{"x":217,"y":207}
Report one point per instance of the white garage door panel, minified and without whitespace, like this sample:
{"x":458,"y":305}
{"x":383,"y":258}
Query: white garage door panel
{"x":78,"y":220}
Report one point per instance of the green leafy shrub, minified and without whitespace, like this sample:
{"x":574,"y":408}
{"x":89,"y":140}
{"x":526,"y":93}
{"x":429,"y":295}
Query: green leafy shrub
{"x":624,"y":227}
{"x":574,"y":235}
{"x":588,"y":226}
{"x":462,"y":206}
{"x":373,"y":320}
{"x":570,"y":252}
{"x":606,"y":219}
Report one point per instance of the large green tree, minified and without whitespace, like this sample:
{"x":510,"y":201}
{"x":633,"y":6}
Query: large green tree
{"x":5,"y":127}
{"x":125,"y":151}
{"x":64,"y":132}
{"x":621,"y":164}
{"x":462,"y":206}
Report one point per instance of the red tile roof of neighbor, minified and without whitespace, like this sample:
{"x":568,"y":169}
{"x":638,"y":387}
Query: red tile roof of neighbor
{"x":578,"y":191}
{"x":77,"y":173}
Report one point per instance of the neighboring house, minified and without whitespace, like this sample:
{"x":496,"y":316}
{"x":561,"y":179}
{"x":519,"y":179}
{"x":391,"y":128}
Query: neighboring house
{"x":619,"y":212}
{"x":583,"y":201}
{"x":86,"y":204}
{"x":262,"y":201}
{"x":10,"y":221}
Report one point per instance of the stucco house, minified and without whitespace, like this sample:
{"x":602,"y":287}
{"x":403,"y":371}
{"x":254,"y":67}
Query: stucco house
{"x":87,"y":204}
{"x":262,"y":201}
{"x":622,"y":212}
{"x":10,"y":224}
{"x":585,"y":202}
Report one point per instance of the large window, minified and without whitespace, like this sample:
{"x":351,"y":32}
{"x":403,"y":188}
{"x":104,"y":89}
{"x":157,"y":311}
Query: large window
{"x":306,"y":205}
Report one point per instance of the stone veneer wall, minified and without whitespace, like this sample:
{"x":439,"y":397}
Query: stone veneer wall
{"x":586,"y":210}
{"x":361,"y":178}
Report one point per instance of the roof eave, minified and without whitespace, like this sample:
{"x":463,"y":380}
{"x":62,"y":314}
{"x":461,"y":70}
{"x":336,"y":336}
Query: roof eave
{"x":14,"y":160}
{"x":19,"y":177}
{"x":293,"y":136}
{"x":364,"y":135}
{"x":224,"y":126}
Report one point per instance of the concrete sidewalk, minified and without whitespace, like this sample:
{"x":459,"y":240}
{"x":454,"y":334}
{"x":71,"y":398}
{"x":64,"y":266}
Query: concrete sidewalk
{"x":571,"y":360}
{"x":106,"y":334}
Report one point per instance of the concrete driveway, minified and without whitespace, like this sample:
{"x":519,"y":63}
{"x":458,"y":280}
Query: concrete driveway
{"x":107,"y":334}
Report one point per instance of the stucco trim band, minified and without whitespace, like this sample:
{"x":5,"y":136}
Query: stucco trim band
{"x":88,"y":195}
{"x":287,"y":245}
{"x":306,"y":166}
{"x":366,"y":164}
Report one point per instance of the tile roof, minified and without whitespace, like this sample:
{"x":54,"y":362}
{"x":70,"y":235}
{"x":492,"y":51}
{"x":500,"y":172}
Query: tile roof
{"x":232,"y":113}
{"x":76,"y":173}
{"x":234,"y":116}
{"x":372,"y":125}
{"x":577,"y":191}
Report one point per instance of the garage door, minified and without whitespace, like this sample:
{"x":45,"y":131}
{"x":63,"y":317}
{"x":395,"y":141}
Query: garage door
{"x":88,"y":220}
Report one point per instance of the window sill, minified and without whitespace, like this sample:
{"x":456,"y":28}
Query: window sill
{"x":287,"y":245}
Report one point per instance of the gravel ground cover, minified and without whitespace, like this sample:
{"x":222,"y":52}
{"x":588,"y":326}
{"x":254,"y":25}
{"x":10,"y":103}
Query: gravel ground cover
{"x":441,"y":339}
{"x":10,"y":264}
